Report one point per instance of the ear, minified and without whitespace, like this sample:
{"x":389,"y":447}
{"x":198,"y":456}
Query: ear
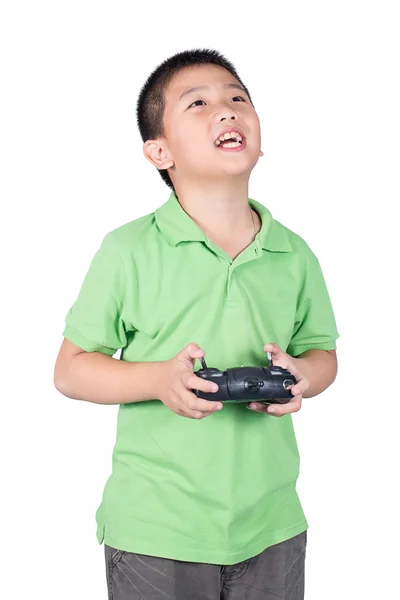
{"x":157,"y":154}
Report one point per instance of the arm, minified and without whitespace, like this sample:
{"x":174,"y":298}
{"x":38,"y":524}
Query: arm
{"x":97,"y":377}
{"x":320,"y":368}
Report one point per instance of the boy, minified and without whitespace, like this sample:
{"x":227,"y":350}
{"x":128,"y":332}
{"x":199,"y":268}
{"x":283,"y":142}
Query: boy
{"x":201,"y":502}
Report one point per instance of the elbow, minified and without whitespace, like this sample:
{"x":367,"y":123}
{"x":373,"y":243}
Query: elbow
{"x":59,"y":382}
{"x":59,"y":385}
{"x":62,"y":387}
{"x":334,"y":369}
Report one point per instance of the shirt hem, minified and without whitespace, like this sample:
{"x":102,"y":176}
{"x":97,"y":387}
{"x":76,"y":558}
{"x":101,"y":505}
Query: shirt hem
{"x":188,"y":555}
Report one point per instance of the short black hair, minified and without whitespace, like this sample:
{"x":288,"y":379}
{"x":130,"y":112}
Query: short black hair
{"x":151,"y":101}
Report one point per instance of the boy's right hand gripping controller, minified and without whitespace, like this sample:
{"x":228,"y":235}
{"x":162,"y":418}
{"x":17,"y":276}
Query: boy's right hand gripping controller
{"x":266,"y":384}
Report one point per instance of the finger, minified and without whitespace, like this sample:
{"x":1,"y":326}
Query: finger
{"x":204,"y":385}
{"x":193,"y":350}
{"x":195,"y":414}
{"x":277,"y":410}
{"x":292,"y":367}
{"x":273,"y":348}
{"x":190,"y":353}
{"x":279,"y":357}
{"x":301,"y":386}
{"x":183,"y":405}
{"x":193,"y":403}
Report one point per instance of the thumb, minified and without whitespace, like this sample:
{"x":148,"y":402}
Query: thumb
{"x":279,"y":357}
{"x":273,"y":348}
{"x":192,"y":351}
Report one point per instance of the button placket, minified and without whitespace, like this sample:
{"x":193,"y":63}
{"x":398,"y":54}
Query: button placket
{"x":228,"y":284}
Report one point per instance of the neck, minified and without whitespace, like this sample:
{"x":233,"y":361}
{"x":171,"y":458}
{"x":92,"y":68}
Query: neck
{"x":220,"y":211}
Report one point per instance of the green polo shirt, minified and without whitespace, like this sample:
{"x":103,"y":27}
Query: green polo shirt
{"x":223,"y":488}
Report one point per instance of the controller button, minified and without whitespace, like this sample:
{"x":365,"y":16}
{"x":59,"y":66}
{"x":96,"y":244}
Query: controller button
{"x":288,"y":383}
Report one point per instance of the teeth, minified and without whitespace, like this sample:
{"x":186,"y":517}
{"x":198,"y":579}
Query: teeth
{"x":227,"y":136}
{"x":232,"y":145}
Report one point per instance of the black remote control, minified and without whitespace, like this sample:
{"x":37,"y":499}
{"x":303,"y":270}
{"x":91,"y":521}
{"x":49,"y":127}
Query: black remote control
{"x":242,"y":384}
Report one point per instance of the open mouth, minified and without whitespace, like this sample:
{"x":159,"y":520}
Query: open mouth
{"x":230,"y":140}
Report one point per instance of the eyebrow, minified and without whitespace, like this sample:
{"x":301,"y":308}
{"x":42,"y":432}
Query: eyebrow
{"x":206,"y":87}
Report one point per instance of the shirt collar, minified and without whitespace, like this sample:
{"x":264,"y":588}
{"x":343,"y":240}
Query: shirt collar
{"x":177,"y":226}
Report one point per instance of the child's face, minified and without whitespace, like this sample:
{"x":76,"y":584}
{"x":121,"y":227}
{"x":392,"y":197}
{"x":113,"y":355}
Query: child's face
{"x":193,"y":122}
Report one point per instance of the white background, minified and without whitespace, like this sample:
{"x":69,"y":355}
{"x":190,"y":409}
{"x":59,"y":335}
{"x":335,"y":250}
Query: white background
{"x":324,"y":77}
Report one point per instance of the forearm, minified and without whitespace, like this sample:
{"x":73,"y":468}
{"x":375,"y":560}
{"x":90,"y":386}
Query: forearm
{"x":99,"y":378}
{"x":320,"y":368}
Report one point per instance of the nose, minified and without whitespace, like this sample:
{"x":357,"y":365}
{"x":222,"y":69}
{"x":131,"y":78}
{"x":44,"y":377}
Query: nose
{"x":227,"y":113}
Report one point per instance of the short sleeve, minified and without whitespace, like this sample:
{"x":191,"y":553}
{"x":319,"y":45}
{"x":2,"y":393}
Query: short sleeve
{"x":315,"y":324}
{"x":95,"y":322}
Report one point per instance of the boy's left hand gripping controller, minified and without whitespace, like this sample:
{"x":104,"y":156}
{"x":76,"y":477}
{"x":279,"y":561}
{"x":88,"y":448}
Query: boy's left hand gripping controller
{"x":266,"y":384}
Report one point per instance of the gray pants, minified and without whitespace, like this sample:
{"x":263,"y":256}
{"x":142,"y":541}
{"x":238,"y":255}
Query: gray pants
{"x":275,"y":574}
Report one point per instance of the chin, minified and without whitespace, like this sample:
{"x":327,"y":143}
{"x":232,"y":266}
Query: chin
{"x":239,"y":167}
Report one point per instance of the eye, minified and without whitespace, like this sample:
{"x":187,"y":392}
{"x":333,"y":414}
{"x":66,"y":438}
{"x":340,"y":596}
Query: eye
{"x":195,"y":102}
{"x":241,"y":97}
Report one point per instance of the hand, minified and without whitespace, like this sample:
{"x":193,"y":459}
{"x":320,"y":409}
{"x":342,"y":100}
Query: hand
{"x":177,"y":381}
{"x":281,"y":359}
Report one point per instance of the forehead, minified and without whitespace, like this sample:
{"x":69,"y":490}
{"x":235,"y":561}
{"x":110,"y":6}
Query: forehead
{"x":189,"y":77}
